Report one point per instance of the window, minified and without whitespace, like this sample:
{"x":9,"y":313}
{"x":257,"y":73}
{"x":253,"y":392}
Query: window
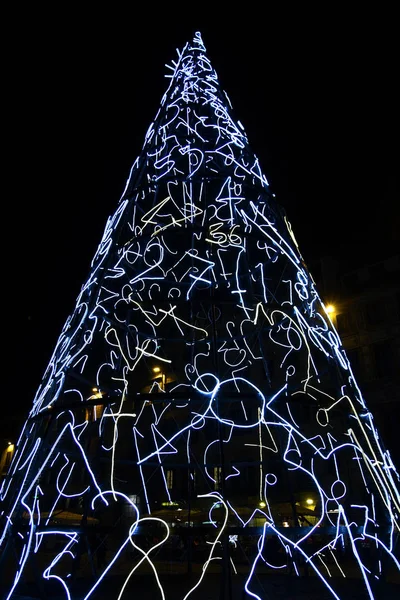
{"x":345,"y":323}
{"x":170,"y":479}
{"x":385,"y":358}
{"x":8,"y":458}
{"x":217,"y":477}
{"x":375,"y":312}
{"x":93,"y":413}
{"x":355,"y":359}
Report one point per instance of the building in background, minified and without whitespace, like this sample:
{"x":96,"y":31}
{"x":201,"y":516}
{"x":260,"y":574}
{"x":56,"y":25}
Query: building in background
{"x":365,"y":301}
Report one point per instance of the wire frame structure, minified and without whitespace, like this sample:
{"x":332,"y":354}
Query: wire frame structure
{"x":198,"y":420}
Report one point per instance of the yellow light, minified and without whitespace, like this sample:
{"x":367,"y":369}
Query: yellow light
{"x":330,"y":309}
{"x":95,"y":390}
{"x":262,"y":504}
{"x":309,"y":501}
{"x":156,"y":369}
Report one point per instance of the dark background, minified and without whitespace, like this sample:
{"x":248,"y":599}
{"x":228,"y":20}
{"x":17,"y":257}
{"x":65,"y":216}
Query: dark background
{"x":316,"y":93}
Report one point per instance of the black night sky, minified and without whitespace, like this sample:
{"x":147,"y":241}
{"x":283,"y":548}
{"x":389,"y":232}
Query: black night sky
{"x":315,"y":92}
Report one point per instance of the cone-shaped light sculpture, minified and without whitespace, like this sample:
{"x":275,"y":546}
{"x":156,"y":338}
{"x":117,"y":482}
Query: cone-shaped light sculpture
{"x":199,"y":414}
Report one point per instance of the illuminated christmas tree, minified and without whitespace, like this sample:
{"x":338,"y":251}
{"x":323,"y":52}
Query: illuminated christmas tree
{"x":199,"y":414}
